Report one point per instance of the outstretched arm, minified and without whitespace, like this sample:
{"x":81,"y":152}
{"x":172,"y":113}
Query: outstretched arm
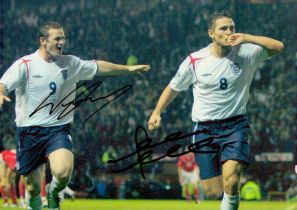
{"x":105,"y":68}
{"x":3,"y":97}
{"x":273,"y":46}
{"x":165,"y":99}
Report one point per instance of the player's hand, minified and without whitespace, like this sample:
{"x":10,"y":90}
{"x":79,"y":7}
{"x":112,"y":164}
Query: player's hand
{"x":236,"y":39}
{"x":139,"y":68}
{"x":3,"y":99}
{"x":154,"y":121}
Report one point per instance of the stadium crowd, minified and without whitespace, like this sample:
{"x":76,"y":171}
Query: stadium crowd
{"x":161,"y":33}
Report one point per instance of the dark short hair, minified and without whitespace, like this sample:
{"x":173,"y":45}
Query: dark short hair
{"x":44,"y":29}
{"x":217,"y":15}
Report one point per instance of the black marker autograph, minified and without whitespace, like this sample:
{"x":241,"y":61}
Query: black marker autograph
{"x":144,"y":149}
{"x":80,"y":99}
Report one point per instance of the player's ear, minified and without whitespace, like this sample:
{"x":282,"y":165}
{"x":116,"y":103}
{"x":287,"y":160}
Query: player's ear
{"x":42,"y":41}
{"x":210,"y":33}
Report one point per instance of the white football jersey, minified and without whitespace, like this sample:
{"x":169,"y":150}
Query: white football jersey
{"x":220,"y":85}
{"x":35,"y":80}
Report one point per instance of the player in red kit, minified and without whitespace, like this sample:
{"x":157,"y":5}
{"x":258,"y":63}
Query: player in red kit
{"x":188,"y":173}
{"x":8,"y":160}
{"x":3,"y":182}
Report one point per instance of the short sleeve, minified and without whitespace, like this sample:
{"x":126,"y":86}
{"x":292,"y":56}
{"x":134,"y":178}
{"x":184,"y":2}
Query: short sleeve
{"x":15,"y":75}
{"x":82,"y":69}
{"x":184,"y":76}
{"x":255,"y":54}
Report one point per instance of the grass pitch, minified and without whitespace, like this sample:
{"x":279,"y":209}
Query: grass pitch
{"x":98,"y":204}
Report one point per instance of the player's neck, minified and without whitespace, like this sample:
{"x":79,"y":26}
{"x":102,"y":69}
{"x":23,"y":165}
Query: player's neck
{"x":45,"y":56}
{"x":219,"y":51}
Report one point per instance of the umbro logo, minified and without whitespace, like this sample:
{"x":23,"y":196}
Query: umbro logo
{"x":205,"y":75}
{"x":37,"y":76}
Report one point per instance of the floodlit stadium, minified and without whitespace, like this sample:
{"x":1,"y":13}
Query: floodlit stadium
{"x":116,"y":166}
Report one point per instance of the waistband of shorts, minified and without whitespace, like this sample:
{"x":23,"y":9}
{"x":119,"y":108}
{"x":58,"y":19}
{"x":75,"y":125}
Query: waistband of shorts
{"x":231,"y":119}
{"x":68,"y":126}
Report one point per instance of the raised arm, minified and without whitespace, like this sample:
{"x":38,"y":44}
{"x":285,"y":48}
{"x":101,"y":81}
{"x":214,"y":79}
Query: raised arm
{"x":165,"y":99}
{"x":105,"y":68}
{"x":273,"y":46}
{"x":3,"y":97}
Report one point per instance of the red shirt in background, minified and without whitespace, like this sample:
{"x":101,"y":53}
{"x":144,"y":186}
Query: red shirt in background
{"x":9,"y":157}
{"x":187,"y":162}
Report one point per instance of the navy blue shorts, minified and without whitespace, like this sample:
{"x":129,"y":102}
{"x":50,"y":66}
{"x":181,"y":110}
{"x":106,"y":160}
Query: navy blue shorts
{"x":35,"y":143}
{"x":226,"y":139}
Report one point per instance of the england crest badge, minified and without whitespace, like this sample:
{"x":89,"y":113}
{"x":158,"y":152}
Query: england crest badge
{"x":64,"y":73}
{"x":235,"y":68}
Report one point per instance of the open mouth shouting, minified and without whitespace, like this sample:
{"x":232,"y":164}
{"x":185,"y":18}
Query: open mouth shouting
{"x":60,"y":48}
